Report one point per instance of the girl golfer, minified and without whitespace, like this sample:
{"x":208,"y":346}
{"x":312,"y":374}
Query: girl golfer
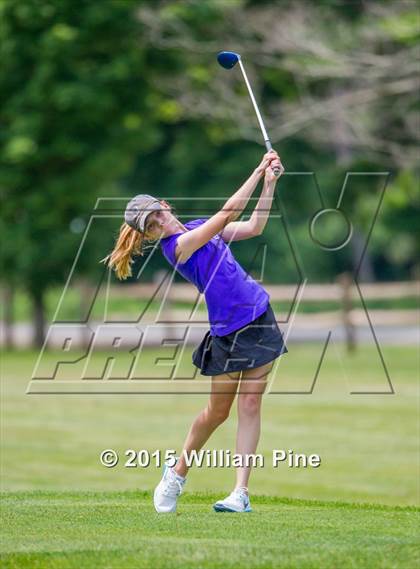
{"x":243,"y":341}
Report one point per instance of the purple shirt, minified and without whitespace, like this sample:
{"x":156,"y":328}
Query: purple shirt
{"x":232,"y":296}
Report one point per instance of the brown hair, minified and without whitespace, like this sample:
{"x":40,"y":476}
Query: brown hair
{"x":129,"y":243}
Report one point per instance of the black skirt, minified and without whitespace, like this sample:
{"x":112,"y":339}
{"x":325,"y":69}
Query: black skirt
{"x":251,"y":346}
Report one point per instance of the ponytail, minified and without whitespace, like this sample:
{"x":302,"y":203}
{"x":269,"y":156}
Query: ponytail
{"x":128,"y":244}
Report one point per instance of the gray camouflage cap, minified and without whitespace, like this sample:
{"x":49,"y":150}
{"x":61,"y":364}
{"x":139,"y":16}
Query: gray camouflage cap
{"x":139,"y":208}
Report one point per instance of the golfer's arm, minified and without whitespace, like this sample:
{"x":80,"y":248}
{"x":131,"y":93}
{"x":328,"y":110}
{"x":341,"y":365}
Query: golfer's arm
{"x":261,"y":213}
{"x":192,"y":240}
{"x":239,"y":230}
{"x":238,"y":202}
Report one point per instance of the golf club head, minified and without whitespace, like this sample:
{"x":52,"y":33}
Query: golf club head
{"x":228,"y":59}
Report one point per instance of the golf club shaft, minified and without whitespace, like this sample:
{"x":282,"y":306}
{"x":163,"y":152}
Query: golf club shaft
{"x":267,"y":141}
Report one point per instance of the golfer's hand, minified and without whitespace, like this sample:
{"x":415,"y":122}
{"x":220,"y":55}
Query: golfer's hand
{"x":269,"y":171}
{"x":266,"y":161}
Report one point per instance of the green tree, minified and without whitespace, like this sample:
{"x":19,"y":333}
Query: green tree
{"x":338,"y":87}
{"x":74,"y":114}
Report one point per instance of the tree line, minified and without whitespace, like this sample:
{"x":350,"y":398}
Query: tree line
{"x":111,"y":99}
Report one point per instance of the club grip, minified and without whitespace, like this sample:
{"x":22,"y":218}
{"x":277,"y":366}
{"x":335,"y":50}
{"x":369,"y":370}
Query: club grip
{"x":269,"y":147}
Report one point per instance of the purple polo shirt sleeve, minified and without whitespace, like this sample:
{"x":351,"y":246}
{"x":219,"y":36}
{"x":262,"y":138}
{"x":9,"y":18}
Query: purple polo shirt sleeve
{"x":169,"y":243}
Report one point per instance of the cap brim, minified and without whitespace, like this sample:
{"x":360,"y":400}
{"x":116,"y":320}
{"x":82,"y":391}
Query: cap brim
{"x":150,"y":208}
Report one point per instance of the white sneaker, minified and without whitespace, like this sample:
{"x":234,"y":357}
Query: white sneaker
{"x":167,"y":491}
{"x":237,"y":501}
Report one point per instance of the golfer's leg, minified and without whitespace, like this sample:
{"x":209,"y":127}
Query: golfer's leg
{"x":251,"y":390}
{"x":223,"y":391}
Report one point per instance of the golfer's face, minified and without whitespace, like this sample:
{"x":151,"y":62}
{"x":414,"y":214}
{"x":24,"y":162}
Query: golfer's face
{"x":158,"y":224}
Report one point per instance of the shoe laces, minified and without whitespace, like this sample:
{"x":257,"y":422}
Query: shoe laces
{"x":173,"y":487}
{"x":241,"y":493}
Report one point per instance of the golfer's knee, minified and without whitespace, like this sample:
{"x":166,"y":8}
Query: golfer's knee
{"x":217,"y":414}
{"x":249,"y":404}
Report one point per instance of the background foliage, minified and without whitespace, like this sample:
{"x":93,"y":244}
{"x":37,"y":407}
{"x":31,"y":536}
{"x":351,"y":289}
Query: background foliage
{"x":111,"y":99}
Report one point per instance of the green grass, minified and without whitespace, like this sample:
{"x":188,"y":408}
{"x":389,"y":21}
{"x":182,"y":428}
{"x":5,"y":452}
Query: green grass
{"x":367,"y":443}
{"x":120,"y":530}
{"x":63,"y":509}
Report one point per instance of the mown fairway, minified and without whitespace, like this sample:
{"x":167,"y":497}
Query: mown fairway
{"x":121,"y":530}
{"x":63,"y":509}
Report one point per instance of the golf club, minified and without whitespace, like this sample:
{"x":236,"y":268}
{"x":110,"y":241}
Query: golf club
{"x":229,"y":59}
